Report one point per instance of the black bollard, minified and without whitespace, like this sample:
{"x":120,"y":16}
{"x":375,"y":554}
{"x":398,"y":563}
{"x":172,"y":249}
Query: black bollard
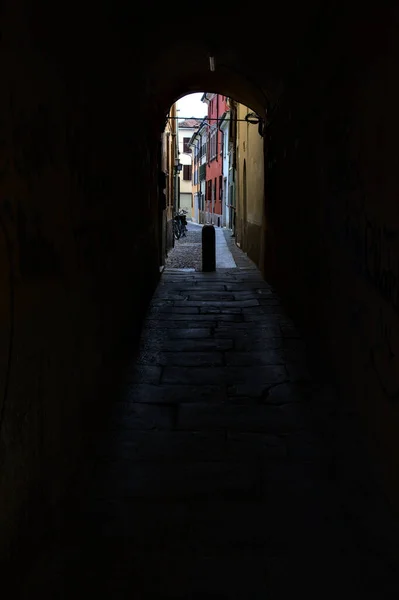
{"x":208,"y":248}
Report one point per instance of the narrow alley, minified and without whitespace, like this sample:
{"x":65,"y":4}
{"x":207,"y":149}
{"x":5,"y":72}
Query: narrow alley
{"x":187,"y":252}
{"x":165,"y":432}
{"x":225,"y":469}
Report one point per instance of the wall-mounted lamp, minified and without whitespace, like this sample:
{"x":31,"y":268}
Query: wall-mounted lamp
{"x":252,"y":118}
{"x":255,"y":120}
{"x":212,"y":63}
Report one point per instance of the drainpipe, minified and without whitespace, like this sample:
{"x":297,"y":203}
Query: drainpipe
{"x":177,"y":172}
{"x":223,"y":202}
{"x":217,"y":127}
{"x":217,"y":150}
{"x":223,"y":144}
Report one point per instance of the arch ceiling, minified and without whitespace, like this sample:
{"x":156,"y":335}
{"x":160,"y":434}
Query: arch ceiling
{"x":256,"y":53}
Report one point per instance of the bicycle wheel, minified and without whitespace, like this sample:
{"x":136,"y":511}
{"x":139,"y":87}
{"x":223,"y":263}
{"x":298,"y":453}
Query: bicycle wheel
{"x":176,"y":230}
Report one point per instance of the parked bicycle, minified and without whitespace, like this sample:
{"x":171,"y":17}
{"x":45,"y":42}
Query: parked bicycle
{"x":183,"y":219}
{"x":180,"y":224}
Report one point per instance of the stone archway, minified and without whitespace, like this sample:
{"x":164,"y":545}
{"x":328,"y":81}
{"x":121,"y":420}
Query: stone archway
{"x":83,"y":103}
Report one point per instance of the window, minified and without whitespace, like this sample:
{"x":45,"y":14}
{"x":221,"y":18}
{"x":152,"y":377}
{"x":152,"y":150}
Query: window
{"x":212,"y":144}
{"x":186,"y":148}
{"x":209,"y":190}
{"x":187,"y":172}
{"x":220,"y":187}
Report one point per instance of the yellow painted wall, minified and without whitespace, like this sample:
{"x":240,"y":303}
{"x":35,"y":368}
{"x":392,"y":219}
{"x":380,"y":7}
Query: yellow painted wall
{"x":169,"y":152}
{"x":169,"y":157}
{"x":250,"y":187}
{"x":196,"y":188}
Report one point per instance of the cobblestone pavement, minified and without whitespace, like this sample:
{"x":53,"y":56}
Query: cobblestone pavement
{"x":224,"y":470}
{"x":186,"y":253}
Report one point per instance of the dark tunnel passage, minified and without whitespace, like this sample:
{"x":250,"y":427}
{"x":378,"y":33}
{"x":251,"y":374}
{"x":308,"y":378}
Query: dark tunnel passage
{"x":83,"y":107}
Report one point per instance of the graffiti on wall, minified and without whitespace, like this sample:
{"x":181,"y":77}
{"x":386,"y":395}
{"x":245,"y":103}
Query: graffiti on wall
{"x":33,"y":149}
{"x":37,"y":254}
{"x":33,"y":139}
{"x":374,"y":255}
{"x":82,"y":154}
{"x":384,"y":358}
{"x":374,"y":248}
{"x":381,"y":259}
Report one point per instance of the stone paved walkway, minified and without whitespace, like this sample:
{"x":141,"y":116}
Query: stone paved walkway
{"x":217,"y":473}
{"x":224,"y":258}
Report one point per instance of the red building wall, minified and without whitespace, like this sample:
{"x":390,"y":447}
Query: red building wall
{"x":214,"y":175}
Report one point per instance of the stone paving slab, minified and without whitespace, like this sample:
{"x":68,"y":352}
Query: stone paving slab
{"x":242,"y":417}
{"x":247,"y":287}
{"x":178,"y":480}
{"x":173,"y":394}
{"x":260,"y":318}
{"x":168,"y":295}
{"x":221,"y":469}
{"x":197,"y":345}
{"x":143,"y":374}
{"x":184,"y":359}
{"x":213,"y":310}
{"x":271,"y":326}
{"x":200,"y":287}
{"x":217,"y":303}
{"x":224,"y":375}
{"x":182,"y":333}
{"x":197,"y":317}
{"x":169,"y":324}
{"x":172,"y":310}
{"x":210,"y":295}
{"x":260,"y":342}
{"x":265,"y":357}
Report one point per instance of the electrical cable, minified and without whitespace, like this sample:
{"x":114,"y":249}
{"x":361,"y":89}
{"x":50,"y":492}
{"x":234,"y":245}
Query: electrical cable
{"x":207,"y":119}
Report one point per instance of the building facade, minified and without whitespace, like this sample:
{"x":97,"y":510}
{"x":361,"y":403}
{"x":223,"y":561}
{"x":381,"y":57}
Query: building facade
{"x":198,"y":144}
{"x":231,"y":191}
{"x":185,"y":196}
{"x":224,"y":127}
{"x":217,"y":106}
{"x":168,"y":180}
{"x":250,"y":192}
{"x":195,"y":181}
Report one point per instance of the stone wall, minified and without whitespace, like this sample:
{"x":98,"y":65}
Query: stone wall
{"x":332,"y":244}
{"x":77,"y":205}
{"x":170,"y":241}
{"x":80,"y":230}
